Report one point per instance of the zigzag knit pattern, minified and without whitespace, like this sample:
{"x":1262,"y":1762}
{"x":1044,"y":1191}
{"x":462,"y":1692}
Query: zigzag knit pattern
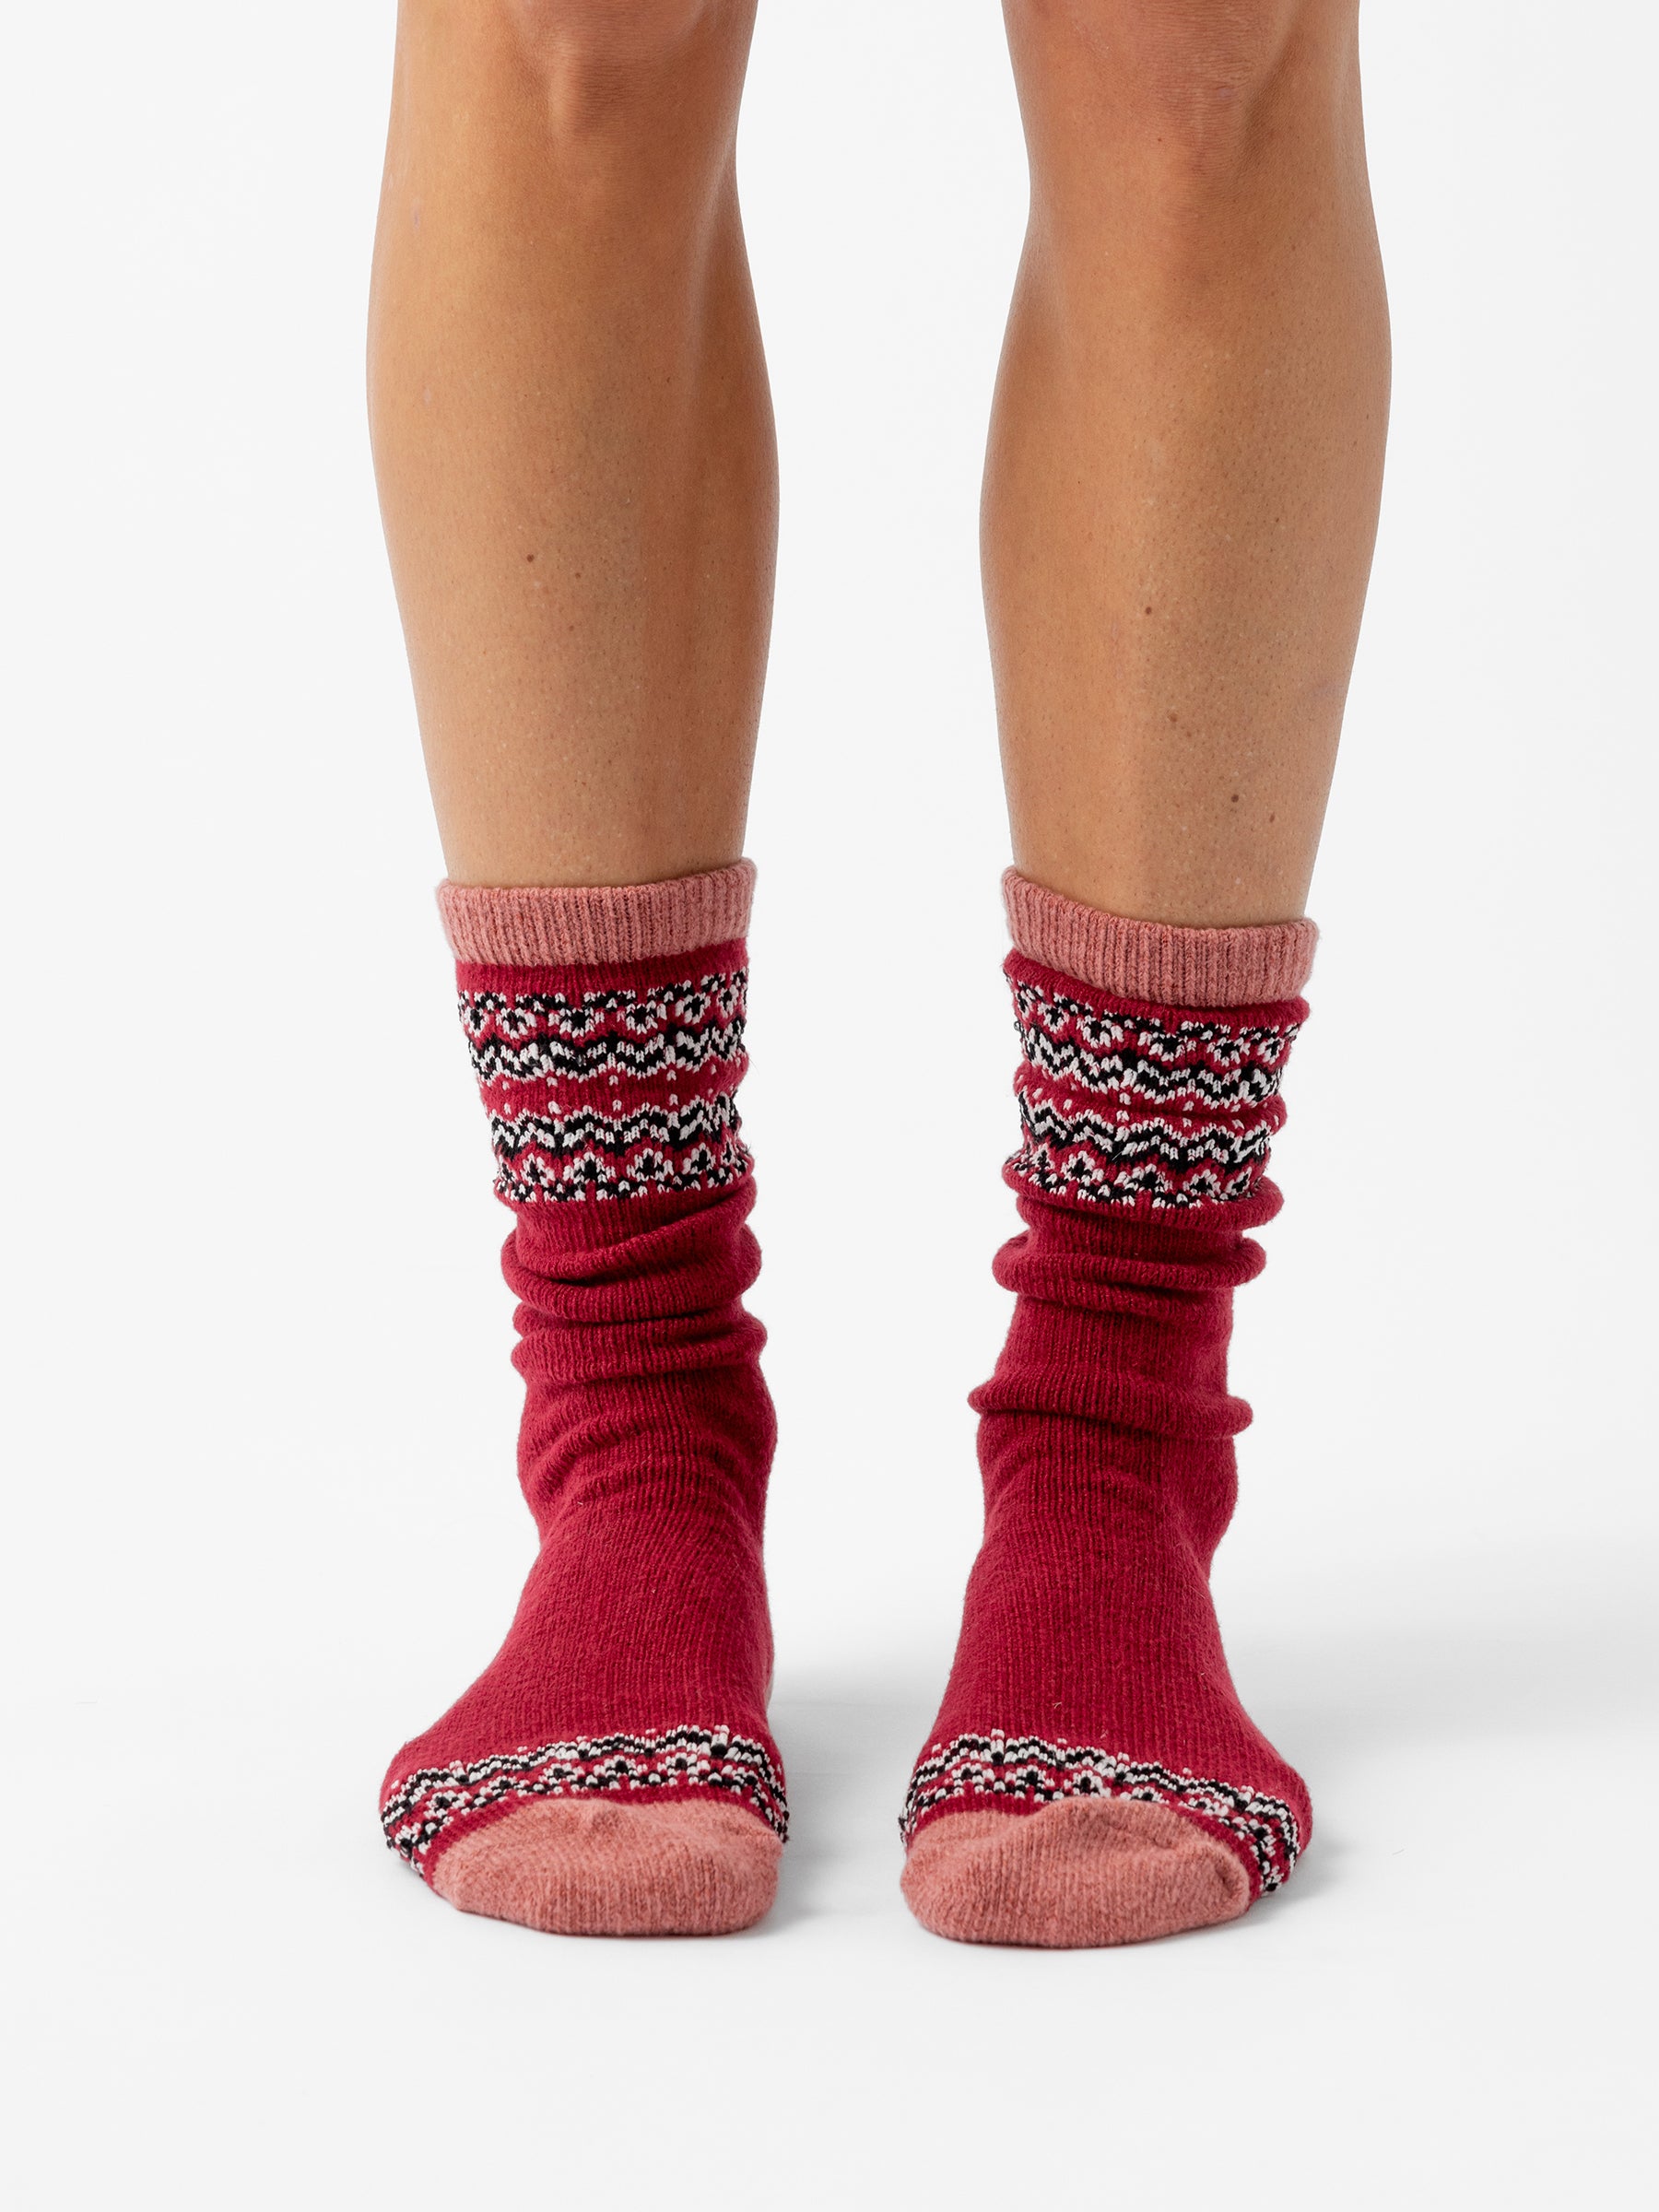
{"x":608,"y":1088}
{"x":1120,"y":1102}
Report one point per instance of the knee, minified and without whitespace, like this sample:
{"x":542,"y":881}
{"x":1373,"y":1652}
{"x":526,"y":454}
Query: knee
{"x":616,"y":38}
{"x":1183,"y":85}
{"x":602,"y":59}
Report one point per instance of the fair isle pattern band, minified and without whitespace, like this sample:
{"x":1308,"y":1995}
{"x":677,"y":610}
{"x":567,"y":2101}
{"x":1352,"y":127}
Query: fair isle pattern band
{"x":609,"y":1092}
{"x":427,"y":1804}
{"x":1120,"y":1104}
{"x":1027,"y":1769}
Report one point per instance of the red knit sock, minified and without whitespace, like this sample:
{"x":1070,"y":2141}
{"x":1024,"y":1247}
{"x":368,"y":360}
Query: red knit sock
{"x":610,"y":1772}
{"x":1092,"y":1778}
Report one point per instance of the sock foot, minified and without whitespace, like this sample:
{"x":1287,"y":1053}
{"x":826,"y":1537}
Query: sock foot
{"x":586,"y":1869}
{"x":1079,"y":1876}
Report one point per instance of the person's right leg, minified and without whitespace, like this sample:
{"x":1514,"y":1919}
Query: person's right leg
{"x":573,"y":433}
{"x":573,"y":443}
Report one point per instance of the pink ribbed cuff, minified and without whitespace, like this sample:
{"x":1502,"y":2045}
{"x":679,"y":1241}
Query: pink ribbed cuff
{"x":535,"y":927}
{"x":1156,"y":961}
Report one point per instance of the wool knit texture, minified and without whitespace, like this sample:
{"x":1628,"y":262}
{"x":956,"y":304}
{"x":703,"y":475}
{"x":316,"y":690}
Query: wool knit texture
{"x":636,"y":1669}
{"x":1091,"y":1665}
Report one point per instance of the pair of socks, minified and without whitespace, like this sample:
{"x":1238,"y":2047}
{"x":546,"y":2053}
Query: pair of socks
{"x":1091,"y":1778}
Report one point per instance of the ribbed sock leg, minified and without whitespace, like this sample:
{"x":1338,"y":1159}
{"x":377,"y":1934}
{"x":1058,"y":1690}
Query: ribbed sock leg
{"x":1092,"y":1777}
{"x":611,"y":1772}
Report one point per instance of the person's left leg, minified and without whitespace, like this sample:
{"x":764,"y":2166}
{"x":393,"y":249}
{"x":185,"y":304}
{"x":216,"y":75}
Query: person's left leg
{"x":1179,"y":501}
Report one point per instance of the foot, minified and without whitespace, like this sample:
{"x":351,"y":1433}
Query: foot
{"x":1073,"y":1875}
{"x":608,"y":1869}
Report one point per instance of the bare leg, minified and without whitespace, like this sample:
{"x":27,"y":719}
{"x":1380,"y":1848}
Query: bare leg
{"x":1186,"y":449}
{"x":572,"y":431}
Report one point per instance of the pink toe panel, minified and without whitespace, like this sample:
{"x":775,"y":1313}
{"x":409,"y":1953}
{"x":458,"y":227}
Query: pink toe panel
{"x":574,"y":1867}
{"x":1075,"y":1876}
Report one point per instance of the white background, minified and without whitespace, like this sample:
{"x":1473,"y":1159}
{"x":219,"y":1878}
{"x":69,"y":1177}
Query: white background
{"x":262,"y":1520}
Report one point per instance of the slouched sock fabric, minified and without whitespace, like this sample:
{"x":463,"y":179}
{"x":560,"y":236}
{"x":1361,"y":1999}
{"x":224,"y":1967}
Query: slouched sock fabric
{"x":1092,"y":1777}
{"x":611,"y":1771}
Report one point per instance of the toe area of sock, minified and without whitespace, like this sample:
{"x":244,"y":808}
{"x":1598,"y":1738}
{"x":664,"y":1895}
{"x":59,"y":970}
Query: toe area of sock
{"x":571,"y":1867}
{"x":1075,"y":1876}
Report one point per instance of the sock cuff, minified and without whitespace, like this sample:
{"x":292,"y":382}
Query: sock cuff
{"x":539,"y":927}
{"x":1158,"y":962}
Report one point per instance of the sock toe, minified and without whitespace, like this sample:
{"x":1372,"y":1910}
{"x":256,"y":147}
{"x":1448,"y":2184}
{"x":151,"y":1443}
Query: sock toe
{"x":1075,"y":1876}
{"x":573,"y":1868}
